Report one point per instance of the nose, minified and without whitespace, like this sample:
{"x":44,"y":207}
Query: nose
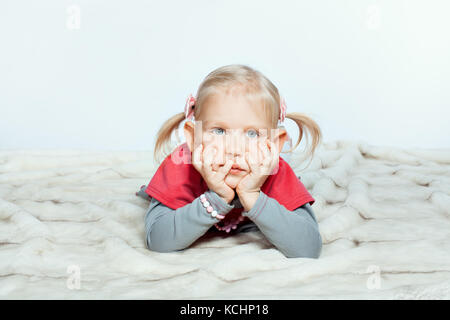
{"x":234,"y":144}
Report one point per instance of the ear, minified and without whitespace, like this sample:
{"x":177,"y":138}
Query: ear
{"x":279,"y":138}
{"x":189,"y":134}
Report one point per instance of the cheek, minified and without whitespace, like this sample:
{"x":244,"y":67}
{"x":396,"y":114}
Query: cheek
{"x":252,"y":144}
{"x":218,"y":145}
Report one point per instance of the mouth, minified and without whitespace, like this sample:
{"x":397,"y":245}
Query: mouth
{"x":236,"y":169}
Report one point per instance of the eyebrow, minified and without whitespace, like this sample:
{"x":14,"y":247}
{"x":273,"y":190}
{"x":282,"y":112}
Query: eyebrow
{"x":221,"y":124}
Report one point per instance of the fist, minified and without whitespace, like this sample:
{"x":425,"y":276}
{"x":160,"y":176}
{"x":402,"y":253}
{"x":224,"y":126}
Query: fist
{"x":204,"y":162}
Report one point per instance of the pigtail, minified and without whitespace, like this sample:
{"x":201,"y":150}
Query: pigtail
{"x":306,"y":124}
{"x":163,"y":144}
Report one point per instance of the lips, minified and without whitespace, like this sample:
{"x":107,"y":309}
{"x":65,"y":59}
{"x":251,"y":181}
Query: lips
{"x":236,"y":169}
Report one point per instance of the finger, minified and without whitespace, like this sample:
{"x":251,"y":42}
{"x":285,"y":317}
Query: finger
{"x":226,"y":168}
{"x":265,"y":151}
{"x":273,"y":150}
{"x":252,"y":149}
{"x":248,"y":158}
{"x":252,"y":161}
{"x":267,"y":157}
{"x":275,"y":156}
{"x":260,"y":155}
{"x":217,"y":160}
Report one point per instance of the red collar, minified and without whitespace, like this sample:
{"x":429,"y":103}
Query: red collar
{"x":176,"y":183}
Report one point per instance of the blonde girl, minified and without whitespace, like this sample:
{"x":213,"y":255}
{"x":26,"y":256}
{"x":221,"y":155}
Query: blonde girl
{"x":228,"y":177}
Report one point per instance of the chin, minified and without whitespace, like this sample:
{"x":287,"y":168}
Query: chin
{"x":233,"y":180}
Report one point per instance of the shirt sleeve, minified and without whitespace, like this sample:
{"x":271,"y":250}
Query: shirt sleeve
{"x":295,"y":233}
{"x":169,"y":230}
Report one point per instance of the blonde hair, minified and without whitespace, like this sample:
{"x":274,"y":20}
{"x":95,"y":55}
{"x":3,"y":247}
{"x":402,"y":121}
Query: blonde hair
{"x":254,"y":85}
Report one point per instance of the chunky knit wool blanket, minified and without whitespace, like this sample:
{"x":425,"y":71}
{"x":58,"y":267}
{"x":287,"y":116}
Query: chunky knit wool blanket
{"x":72,"y":227}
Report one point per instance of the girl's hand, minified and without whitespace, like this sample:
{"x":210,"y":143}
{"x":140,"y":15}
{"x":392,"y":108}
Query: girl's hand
{"x":202,"y":161}
{"x":261,"y":163}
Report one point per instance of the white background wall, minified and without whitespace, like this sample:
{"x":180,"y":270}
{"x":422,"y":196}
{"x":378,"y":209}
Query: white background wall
{"x":377,"y":71}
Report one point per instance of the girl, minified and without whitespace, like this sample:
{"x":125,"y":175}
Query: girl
{"x":228,"y":176}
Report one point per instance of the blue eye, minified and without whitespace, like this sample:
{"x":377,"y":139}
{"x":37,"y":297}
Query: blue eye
{"x":254,"y":133}
{"x":214,"y":130}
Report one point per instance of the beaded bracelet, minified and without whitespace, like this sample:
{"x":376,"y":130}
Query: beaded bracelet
{"x":210,"y":209}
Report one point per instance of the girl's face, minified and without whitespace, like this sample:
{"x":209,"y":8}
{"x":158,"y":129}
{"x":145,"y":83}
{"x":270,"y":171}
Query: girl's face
{"x":233,"y":125}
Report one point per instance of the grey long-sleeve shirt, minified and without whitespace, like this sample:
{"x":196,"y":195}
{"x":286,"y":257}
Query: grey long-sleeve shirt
{"x":294,"y":233}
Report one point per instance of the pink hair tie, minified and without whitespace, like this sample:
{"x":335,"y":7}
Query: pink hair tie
{"x":209,"y":208}
{"x":189,"y":107}
{"x":283,"y":108}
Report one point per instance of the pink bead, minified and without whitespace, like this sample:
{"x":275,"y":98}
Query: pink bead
{"x":210,"y":209}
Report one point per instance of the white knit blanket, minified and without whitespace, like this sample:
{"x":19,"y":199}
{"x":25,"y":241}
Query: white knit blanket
{"x":71,"y":227}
